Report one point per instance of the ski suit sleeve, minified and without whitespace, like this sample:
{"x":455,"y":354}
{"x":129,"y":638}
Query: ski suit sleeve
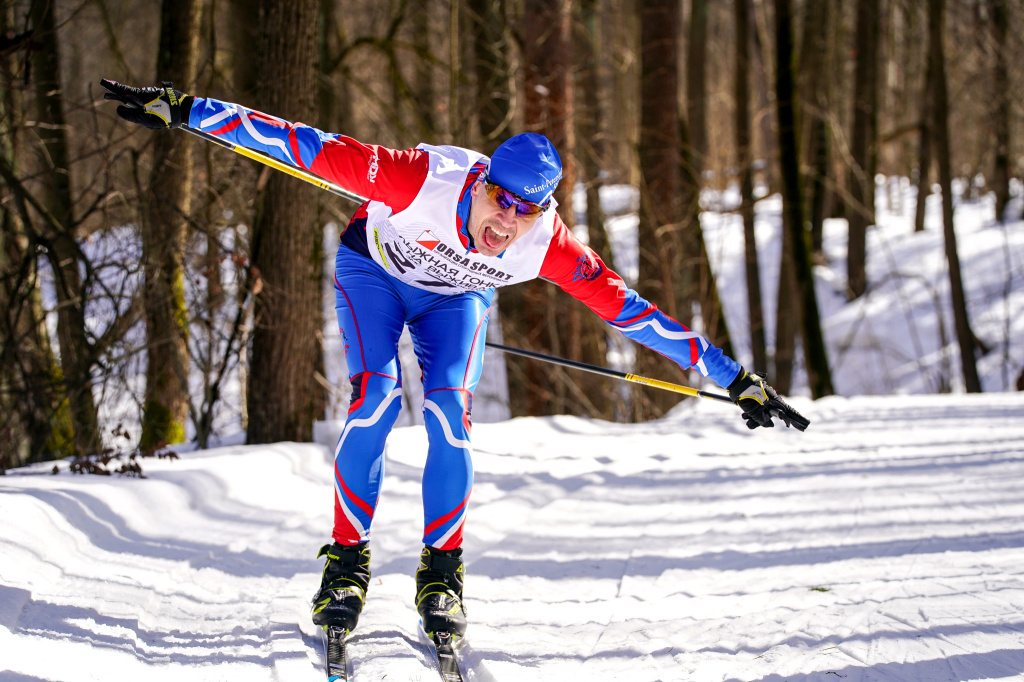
{"x":390,"y":176}
{"x":579,"y":271}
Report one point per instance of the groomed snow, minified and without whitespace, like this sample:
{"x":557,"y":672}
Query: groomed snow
{"x":885,"y":543}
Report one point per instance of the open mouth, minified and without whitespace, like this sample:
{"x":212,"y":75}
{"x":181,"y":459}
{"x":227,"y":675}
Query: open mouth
{"x":494,"y":239}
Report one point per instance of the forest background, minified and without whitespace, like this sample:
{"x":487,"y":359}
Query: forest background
{"x":158,"y":270}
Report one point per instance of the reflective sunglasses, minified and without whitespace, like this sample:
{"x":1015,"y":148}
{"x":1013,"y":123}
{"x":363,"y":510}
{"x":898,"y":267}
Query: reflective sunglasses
{"x":503,"y":198}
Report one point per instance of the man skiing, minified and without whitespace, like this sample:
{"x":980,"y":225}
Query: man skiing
{"x":442,"y":228}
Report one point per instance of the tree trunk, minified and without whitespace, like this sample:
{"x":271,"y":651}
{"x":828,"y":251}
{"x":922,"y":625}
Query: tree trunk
{"x":743,"y":161}
{"x":704,"y":288}
{"x":243,"y":36}
{"x":664,"y":276}
{"x":818,"y":374}
{"x":693,"y":139}
{"x":696,"y":84}
{"x":164,"y":229}
{"x":589,"y":145}
{"x":63,"y":253}
{"x":765,"y":143}
{"x":1001,"y":95}
{"x":924,"y":158}
{"x":534,"y":312}
{"x":286,"y":240}
{"x":965,"y":336}
{"x":861,"y":211}
{"x":33,"y":424}
{"x":813,"y":69}
{"x":622,"y":31}
{"x":494,"y":103}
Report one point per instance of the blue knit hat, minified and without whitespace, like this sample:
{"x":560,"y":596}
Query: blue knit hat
{"x":528,"y":165}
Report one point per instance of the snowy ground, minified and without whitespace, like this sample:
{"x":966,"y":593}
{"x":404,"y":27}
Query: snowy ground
{"x":885,"y":543}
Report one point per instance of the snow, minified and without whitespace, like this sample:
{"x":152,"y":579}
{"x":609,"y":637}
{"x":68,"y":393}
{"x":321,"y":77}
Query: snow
{"x":884,"y":543}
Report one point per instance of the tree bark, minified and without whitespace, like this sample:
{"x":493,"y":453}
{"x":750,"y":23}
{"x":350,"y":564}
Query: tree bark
{"x":76,"y":352}
{"x":744,"y":160}
{"x":494,"y":103}
{"x":818,"y":374}
{"x":286,"y":240}
{"x":30,"y":398}
{"x":696,"y":84}
{"x":164,"y":229}
{"x":965,"y":336}
{"x":588,"y":125}
{"x":693,"y":139}
{"x":243,"y":36}
{"x":1001,"y":115}
{"x":665,"y":278}
{"x":924,"y":157}
{"x":861,"y":211}
{"x":813,"y":69}
{"x":541,"y":317}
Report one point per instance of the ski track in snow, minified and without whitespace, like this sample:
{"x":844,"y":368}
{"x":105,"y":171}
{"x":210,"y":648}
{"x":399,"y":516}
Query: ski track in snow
{"x":885,"y":543}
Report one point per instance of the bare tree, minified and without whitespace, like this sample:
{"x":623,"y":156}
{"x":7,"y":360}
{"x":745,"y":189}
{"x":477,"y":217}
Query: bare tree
{"x":936,"y":54}
{"x":861,"y":212}
{"x":58,"y":236}
{"x":927,"y":134}
{"x":663,"y":274}
{"x":589,"y":145}
{"x":818,"y":374}
{"x":693,"y":140}
{"x":1001,"y":96}
{"x":286,"y":240}
{"x":535,"y":314}
{"x":164,"y":229}
{"x":744,"y":161}
{"x":696,"y":83}
{"x":33,"y":424}
{"x":495,"y":103}
{"x":814,"y":73}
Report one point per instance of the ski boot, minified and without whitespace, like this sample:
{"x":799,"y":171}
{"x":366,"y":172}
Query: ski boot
{"x":346,"y":577}
{"x":439,"y":591}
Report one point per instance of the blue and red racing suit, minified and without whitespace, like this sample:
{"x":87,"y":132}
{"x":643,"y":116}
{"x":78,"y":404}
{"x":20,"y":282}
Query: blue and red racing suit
{"x":406,"y":259}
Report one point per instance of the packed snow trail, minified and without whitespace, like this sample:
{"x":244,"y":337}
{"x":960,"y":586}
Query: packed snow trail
{"x":885,"y":543}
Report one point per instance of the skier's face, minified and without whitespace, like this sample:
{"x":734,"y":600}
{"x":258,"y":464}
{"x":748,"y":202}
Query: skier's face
{"x":493,"y":228}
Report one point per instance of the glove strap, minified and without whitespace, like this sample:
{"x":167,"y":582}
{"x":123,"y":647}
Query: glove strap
{"x":172,"y":99}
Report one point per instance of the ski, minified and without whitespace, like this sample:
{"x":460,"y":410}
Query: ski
{"x":444,"y":650}
{"x":335,"y":653}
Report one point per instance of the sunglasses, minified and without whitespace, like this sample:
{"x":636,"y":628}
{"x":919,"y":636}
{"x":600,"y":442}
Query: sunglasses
{"x":503,"y":198}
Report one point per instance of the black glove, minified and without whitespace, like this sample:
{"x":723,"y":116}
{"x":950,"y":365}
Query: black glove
{"x":157,"y":108}
{"x":760,"y":403}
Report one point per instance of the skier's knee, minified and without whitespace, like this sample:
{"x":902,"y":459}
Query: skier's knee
{"x":451,"y":407}
{"x":370,"y":390}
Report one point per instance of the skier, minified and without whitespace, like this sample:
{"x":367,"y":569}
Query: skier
{"x":442,"y":228}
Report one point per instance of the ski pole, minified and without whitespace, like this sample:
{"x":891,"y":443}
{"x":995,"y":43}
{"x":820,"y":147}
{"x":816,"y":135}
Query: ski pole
{"x":278,"y":165}
{"x":605,"y":371}
{"x":352,"y":196}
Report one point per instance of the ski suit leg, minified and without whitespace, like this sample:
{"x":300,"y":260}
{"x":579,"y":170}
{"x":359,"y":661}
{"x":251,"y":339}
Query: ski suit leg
{"x":371,"y":315}
{"x":449,"y":341}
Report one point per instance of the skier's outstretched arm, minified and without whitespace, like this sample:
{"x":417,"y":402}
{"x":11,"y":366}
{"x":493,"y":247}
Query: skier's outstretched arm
{"x":577,"y":269}
{"x":378,"y":173}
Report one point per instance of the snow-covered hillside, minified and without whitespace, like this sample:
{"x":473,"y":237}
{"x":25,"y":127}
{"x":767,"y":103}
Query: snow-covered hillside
{"x":885,"y":543}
